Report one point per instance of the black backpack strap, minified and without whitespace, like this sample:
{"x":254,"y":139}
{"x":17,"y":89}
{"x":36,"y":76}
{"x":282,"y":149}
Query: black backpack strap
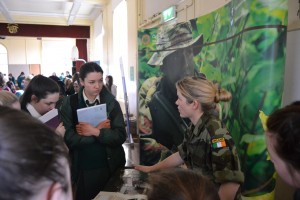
{"x":74,"y":107}
{"x":74,"y":153}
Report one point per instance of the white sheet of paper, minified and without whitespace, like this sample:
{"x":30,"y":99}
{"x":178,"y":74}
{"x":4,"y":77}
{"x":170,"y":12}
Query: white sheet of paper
{"x":92,"y":115}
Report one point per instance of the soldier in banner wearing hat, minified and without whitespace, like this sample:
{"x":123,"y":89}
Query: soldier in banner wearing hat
{"x":158,"y":113}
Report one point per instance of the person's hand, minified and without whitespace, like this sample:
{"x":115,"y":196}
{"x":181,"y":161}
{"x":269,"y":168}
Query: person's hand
{"x":143,"y":168}
{"x":104,"y":124}
{"x":147,"y":122}
{"x":60,"y":130}
{"x":86,"y":129}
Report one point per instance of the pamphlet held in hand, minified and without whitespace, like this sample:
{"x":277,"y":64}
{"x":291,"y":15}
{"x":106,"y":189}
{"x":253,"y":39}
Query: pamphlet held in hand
{"x":92,"y":115}
{"x":51,"y":119}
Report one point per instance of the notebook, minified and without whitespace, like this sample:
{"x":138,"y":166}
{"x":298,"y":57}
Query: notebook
{"x":51,"y":119}
{"x":92,"y":115}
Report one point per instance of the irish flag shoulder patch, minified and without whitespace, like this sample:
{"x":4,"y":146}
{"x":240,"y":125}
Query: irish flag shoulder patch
{"x":218,"y":143}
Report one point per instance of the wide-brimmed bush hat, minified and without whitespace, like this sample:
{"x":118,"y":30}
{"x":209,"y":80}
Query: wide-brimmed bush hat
{"x":172,"y":38}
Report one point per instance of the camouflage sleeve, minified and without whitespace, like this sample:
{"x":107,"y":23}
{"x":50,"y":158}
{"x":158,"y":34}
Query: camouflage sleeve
{"x":182,"y":150}
{"x":225,"y":161}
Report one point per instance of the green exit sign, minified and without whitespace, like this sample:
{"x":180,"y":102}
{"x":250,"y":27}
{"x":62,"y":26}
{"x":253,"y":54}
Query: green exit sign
{"x":168,"y":14}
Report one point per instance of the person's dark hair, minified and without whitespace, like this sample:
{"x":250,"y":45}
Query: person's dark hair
{"x":11,"y":85}
{"x":295,"y":103}
{"x":2,"y":82}
{"x":180,"y":184}
{"x":285,"y":125}
{"x":75,"y":77}
{"x":88,"y":68}
{"x":60,"y":83}
{"x":40,"y":86}
{"x":110,"y":82}
{"x":31,"y":156}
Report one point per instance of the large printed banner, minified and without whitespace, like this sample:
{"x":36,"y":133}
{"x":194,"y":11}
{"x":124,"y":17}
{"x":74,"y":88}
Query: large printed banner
{"x":242,"y":47}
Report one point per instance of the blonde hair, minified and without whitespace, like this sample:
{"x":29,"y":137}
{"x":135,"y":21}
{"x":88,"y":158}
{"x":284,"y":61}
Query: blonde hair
{"x":7,"y":98}
{"x":207,"y":93}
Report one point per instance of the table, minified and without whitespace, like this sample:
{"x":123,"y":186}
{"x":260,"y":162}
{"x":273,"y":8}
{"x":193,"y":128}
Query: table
{"x":126,"y":183}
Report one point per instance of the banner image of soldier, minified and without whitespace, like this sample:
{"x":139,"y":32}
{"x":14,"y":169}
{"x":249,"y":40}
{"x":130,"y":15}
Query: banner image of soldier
{"x":242,"y":47}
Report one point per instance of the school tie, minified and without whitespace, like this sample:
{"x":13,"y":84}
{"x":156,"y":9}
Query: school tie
{"x":92,"y":104}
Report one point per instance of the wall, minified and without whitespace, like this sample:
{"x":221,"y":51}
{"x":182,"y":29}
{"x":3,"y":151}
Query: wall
{"x":292,"y":71}
{"x":108,"y":64}
{"x":149,"y":10}
{"x":22,"y":51}
{"x":132,"y":54}
{"x":293,"y":18}
{"x":16,"y":49}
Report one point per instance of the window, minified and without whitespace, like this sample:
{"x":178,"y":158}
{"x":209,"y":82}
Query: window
{"x":120,"y":43}
{"x":3,"y":60}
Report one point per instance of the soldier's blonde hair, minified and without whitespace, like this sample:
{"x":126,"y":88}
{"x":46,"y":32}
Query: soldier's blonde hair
{"x":207,"y":93}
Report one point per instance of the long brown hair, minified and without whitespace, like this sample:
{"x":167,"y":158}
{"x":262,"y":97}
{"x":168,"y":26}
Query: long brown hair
{"x":284,"y":124}
{"x":180,"y":184}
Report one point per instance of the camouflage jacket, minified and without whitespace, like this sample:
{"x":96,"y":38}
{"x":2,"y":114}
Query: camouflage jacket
{"x":209,"y":149}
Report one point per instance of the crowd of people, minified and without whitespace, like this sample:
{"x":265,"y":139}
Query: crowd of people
{"x":95,"y":152}
{"x":76,"y":160}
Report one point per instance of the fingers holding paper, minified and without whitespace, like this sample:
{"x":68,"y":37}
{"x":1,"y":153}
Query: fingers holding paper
{"x":104,"y":124}
{"x":86,"y":129}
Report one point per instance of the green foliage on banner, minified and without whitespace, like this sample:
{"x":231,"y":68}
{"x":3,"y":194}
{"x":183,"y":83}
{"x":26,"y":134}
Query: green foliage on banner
{"x":245,"y":52}
{"x":146,"y":44}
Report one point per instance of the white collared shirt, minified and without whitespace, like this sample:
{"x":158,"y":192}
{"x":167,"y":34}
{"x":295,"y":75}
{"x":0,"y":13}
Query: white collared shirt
{"x":86,"y":99}
{"x":32,"y":111}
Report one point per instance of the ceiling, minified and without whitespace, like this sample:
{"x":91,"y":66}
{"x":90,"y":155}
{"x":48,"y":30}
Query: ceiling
{"x":51,"y":12}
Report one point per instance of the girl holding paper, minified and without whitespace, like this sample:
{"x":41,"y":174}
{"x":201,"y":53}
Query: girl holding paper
{"x":96,"y":152}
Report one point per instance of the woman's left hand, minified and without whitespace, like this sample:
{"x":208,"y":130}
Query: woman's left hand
{"x":60,"y":130}
{"x":86,"y":129}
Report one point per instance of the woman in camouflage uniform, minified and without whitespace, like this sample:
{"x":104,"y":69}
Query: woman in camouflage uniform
{"x":207,"y":148}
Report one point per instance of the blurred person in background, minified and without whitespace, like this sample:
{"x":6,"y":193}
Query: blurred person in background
{"x":3,"y":85}
{"x":9,"y":99}
{"x":110,"y":85}
{"x":12,"y":78}
{"x":20,"y":78}
{"x":11,"y":86}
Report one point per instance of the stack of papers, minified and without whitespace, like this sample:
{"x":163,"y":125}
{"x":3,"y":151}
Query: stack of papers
{"x":119,"y":196}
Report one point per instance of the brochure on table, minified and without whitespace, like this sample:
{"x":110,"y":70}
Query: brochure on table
{"x":119,"y":196}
